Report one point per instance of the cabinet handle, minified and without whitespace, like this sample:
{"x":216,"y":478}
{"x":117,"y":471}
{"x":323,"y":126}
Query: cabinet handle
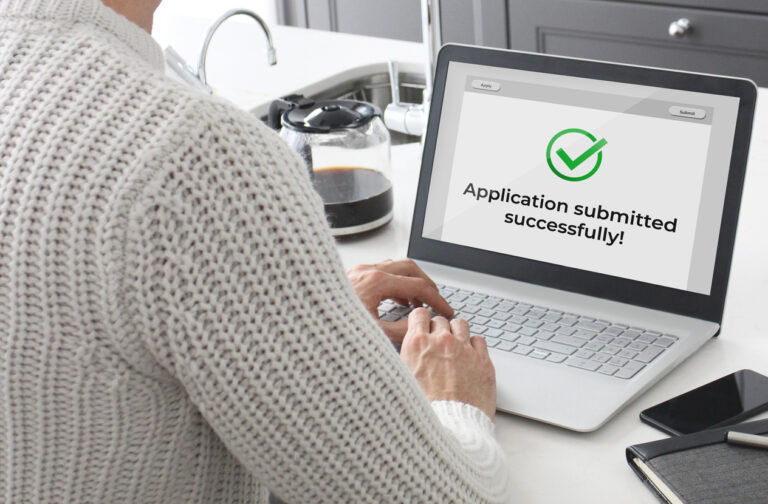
{"x":680,"y":28}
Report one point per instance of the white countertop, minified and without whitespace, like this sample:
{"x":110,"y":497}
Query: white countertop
{"x":548,"y":464}
{"x":303,"y":57}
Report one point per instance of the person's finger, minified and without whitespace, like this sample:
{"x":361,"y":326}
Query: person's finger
{"x":479,"y":344}
{"x":395,"y":331}
{"x":419,"y":320}
{"x":405,"y":267}
{"x":394,"y":286}
{"x":460,"y":328}
{"x":439,"y":324}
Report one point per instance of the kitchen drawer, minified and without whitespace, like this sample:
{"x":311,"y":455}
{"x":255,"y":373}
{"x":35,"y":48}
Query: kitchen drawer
{"x":720,"y":42}
{"x":756,"y":6}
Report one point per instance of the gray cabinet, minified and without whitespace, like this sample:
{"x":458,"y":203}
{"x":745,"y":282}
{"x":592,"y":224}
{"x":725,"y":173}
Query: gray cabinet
{"x":482,"y":22}
{"x":726,"y":36}
{"x":731,"y":43}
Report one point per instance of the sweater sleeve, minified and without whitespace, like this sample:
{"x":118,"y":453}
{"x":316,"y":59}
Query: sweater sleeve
{"x":233,"y":282}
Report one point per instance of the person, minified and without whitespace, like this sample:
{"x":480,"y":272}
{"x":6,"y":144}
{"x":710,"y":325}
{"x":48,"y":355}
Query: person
{"x":176,"y":323}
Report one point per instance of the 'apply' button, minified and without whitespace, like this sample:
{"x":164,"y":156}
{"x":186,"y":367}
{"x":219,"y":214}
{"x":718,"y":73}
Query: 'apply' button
{"x":691,"y":113}
{"x":486,"y":85}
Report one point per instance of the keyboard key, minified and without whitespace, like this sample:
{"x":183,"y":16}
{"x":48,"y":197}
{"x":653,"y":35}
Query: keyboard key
{"x":637,"y":346}
{"x":505,"y":346}
{"x":627,"y":354}
{"x":555,"y":347}
{"x":477,"y":319}
{"x":527,"y":331}
{"x":390,"y":317}
{"x":492,"y":342}
{"x":526,"y":340}
{"x":512,"y":327}
{"x":584,"y":354}
{"x":618,"y":361}
{"x":477,"y":330}
{"x":566,"y":331}
{"x":534,"y":323}
{"x":551,"y":317}
{"x":631,"y":334}
{"x":538,"y":354}
{"x":517,"y":319}
{"x":550,"y":327}
{"x":568,"y":340}
{"x":622,"y":341}
{"x":519,"y":310}
{"x":630,"y":370}
{"x":544,"y":335}
{"x":568,"y":321}
{"x":607,"y":369}
{"x":494,"y":333}
{"x":614,"y":330}
{"x":522,"y":350}
{"x":649,"y":354}
{"x":601,"y":357}
{"x":581,"y":333}
{"x":457,"y":298}
{"x":664,"y":341}
{"x":470,"y":309}
{"x":604,"y":338}
{"x":489,"y":303}
{"x":474,"y":300}
{"x":587,"y":319}
{"x":501,"y":316}
{"x":485,"y":312}
{"x":553,"y":357}
{"x":646,"y":338}
{"x":496,"y":324}
{"x":505,"y":306}
{"x":509,"y":336}
{"x":582,"y":363}
{"x":591,"y":326}
{"x":612,"y":349}
{"x":594,"y":346}
{"x":536,"y":314}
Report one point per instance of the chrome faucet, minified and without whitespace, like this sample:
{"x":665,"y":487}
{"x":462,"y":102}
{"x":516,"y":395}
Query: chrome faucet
{"x":199,"y":79}
{"x":411,"y":118}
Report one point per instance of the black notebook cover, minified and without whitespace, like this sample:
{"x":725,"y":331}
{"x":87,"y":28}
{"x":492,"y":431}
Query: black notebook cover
{"x":702,"y":468}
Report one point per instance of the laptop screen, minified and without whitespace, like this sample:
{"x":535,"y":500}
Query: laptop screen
{"x":607,"y":177}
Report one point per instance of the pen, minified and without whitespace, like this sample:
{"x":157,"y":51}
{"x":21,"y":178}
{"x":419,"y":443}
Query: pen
{"x":751,"y":440}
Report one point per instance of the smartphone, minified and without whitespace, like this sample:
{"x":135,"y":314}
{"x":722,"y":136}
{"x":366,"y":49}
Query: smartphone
{"x":725,"y":401}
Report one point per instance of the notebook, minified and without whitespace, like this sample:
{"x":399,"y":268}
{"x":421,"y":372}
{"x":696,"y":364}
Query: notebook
{"x":702,"y":468}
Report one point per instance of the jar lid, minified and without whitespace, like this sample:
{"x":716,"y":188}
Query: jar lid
{"x":330,"y":115}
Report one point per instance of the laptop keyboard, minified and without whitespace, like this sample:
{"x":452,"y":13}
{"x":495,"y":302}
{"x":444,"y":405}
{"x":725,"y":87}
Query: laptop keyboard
{"x":549,"y":335}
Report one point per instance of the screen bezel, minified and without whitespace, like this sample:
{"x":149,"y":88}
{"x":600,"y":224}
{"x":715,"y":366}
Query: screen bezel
{"x":707,"y":307}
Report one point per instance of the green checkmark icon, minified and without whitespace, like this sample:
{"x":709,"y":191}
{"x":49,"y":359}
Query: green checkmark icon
{"x":572,"y":164}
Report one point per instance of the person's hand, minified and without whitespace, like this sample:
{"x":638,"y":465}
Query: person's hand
{"x":403,"y":282}
{"x":448,"y":363}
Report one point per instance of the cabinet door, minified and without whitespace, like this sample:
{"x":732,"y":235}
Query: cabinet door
{"x":480,"y":22}
{"x":477,"y":22}
{"x":719,"y":42}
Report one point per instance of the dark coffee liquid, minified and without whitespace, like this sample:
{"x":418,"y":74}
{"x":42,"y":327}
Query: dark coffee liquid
{"x":353,"y":196}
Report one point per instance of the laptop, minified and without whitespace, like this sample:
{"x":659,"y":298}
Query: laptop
{"x":581,"y":215}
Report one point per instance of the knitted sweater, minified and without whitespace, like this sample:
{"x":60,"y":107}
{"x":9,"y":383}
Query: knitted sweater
{"x":175,"y":323}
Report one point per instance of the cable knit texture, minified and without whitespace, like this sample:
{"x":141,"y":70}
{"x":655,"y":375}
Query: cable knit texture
{"x":175,"y":323}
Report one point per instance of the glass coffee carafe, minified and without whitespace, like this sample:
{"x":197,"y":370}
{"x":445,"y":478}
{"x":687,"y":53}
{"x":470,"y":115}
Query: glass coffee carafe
{"x":346,"y":148}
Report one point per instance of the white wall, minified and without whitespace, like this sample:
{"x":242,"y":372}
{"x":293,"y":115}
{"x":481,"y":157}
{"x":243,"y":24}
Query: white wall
{"x":172,"y":12}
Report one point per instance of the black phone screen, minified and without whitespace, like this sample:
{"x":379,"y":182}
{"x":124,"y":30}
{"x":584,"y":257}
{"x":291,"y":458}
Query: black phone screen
{"x":725,"y":401}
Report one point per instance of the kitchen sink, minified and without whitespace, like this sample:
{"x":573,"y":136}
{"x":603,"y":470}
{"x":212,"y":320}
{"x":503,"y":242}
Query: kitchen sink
{"x":367,"y":83}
